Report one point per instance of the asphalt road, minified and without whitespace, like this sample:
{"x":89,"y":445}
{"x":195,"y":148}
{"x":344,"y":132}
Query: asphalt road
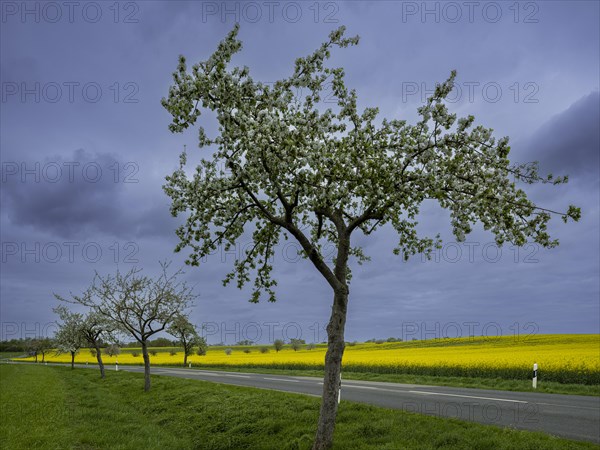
{"x":569,"y":416}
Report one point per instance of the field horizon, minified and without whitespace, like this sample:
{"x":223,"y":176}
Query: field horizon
{"x":563,"y":359}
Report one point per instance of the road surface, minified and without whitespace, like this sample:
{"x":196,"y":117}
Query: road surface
{"x":569,"y":416}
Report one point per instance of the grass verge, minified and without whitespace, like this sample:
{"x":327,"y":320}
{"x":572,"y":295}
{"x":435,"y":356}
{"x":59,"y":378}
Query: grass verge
{"x":55,"y":407}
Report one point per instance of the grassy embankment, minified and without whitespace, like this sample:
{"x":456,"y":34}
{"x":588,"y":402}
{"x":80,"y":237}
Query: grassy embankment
{"x":55,"y":407}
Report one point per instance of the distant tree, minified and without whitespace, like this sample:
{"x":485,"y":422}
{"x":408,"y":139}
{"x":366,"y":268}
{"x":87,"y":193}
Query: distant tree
{"x":310,"y":346}
{"x":161,"y":342}
{"x":293,"y":167}
{"x":112,"y":350}
{"x":32,"y":348}
{"x":264,"y":349}
{"x":44,"y":345}
{"x":245,"y":342}
{"x":132,"y":344}
{"x":183,"y":330}
{"x":95,"y":329}
{"x":153,"y":352}
{"x":228,"y":351}
{"x":202,"y":346}
{"x":278,"y":344}
{"x":14,"y":345}
{"x":69,"y":337}
{"x":295,"y":345}
{"x":139,"y":305}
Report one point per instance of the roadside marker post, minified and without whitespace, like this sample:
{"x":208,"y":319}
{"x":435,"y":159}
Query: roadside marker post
{"x":190,"y":365}
{"x":535,"y":369}
{"x":340,"y":389}
{"x":117,"y":366}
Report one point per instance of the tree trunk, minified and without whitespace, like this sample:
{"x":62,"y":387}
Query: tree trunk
{"x":72,"y":360}
{"x":43,"y":357}
{"x":146,"y":366}
{"x":333,"y":367}
{"x":36,"y":357}
{"x":185,"y":358}
{"x":99,"y":358}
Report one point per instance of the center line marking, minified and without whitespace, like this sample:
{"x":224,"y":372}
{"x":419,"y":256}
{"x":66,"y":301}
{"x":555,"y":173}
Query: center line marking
{"x":468,"y":396}
{"x":359,"y":387}
{"x":281,"y":379}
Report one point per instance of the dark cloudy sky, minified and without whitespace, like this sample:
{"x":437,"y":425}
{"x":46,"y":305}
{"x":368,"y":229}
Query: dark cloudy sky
{"x":85,"y":149}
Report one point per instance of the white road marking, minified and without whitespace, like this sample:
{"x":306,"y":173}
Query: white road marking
{"x":237,"y":376}
{"x":365,"y":387}
{"x":184,"y":372}
{"x":281,"y":379}
{"x":360,"y":387}
{"x":194,"y":372}
{"x":468,"y":396}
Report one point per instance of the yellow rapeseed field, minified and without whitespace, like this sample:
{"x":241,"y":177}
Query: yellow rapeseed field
{"x":562,"y":358}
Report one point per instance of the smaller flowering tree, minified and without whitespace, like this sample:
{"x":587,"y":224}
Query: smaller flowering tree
{"x":138,"y":305}
{"x":96,"y":329}
{"x":43,"y":345}
{"x":184,"y":331}
{"x":69,"y":337}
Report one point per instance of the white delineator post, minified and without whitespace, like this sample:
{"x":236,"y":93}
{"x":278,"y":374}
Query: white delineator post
{"x":117,"y":366}
{"x":340,"y":389}
{"x":190,"y":365}
{"x":535,"y":369}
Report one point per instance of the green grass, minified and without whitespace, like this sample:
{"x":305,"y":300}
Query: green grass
{"x":55,"y":407}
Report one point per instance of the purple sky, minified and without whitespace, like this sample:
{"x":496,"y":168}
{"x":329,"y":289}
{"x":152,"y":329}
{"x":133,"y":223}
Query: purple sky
{"x":85,"y":149}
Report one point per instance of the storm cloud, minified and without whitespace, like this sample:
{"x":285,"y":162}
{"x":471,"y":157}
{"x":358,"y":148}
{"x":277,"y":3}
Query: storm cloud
{"x":569,"y":143}
{"x":83,"y":94}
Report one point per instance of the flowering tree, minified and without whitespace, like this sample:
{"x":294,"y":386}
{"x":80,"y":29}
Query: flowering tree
{"x":96,"y":329}
{"x":291,"y":168}
{"x":69,"y":337}
{"x":138,"y":305}
{"x":183,"y":330}
{"x":39,"y":346}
